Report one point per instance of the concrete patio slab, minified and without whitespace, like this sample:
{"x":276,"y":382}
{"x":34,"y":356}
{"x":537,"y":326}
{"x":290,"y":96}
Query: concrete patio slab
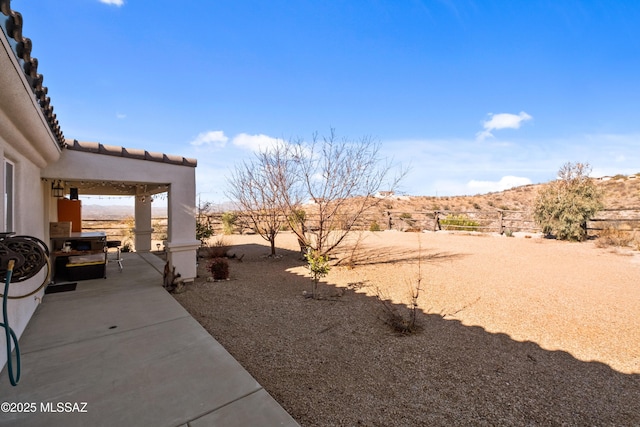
{"x":122,"y":351}
{"x":252,"y":410}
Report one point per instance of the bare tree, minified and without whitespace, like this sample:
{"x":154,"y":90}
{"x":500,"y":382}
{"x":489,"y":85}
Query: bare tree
{"x":259,"y":186}
{"x":340,"y":177}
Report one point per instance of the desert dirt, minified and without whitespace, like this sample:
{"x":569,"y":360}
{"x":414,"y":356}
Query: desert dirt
{"x":514,"y":331}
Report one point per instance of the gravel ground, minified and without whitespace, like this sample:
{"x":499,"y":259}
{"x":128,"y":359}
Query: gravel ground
{"x":514,"y":331}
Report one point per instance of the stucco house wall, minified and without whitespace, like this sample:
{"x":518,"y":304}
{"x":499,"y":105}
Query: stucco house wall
{"x":28,"y":219}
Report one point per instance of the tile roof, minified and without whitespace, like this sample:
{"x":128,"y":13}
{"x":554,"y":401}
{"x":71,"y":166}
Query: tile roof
{"x":12,"y":26}
{"x":131,"y":153}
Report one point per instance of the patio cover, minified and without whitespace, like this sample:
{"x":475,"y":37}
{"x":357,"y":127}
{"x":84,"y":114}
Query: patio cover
{"x":97,"y":169}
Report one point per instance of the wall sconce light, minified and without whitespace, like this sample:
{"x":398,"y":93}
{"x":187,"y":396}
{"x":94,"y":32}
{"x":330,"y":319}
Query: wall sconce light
{"x":57,"y":190}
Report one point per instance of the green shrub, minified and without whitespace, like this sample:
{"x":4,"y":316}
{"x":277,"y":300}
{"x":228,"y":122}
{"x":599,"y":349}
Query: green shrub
{"x":296,"y":221}
{"x":203,"y":226}
{"x":203,"y":229}
{"x":298,"y":216}
{"x":374,"y":226}
{"x":407,"y":219}
{"x":318,"y":266}
{"x":459,"y":222}
{"x":563,"y":207}
{"x":229,"y":220}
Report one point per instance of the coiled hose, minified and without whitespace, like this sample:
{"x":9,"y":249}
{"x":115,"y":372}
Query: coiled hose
{"x":8,"y":332}
{"x":25,"y":256}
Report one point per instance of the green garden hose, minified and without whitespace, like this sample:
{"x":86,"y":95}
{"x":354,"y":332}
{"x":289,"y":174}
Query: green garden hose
{"x":24,"y":256}
{"x":8,"y":332}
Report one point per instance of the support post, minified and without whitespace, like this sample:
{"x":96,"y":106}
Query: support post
{"x":142,"y":231}
{"x":182,"y":245}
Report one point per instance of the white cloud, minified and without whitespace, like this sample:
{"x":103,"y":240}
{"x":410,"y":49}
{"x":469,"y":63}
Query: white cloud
{"x":212,"y":138}
{"x":505,"y":183}
{"x":121,"y":116}
{"x":501,"y":121}
{"x":255,"y":142}
{"x":117,"y":3}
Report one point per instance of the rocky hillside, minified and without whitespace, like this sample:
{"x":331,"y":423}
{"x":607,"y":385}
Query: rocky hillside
{"x":620,"y":192}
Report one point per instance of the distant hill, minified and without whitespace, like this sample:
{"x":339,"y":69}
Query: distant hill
{"x":116,"y":212}
{"x":621,"y":192}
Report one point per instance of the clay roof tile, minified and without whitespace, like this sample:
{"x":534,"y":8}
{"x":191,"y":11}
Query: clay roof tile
{"x":132,"y":153}
{"x":13,"y":25}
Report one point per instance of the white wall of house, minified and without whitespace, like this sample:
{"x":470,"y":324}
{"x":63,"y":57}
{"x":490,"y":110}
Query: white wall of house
{"x":28,"y":144}
{"x":28,"y":219}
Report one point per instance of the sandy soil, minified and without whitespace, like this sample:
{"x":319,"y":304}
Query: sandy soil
{"x":514,"y":331}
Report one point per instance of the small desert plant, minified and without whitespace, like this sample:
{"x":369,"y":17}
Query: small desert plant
{"x":219,"y":268}
{"x":406,"y":217}
{"x":318,"y":266}
{"x":374,"y":226}
{"x":354,"y":254}
{"x":217,"y":249}
{"x":611,"y":236}
{"x":229,"y":220}
{"x":129,"y":225}
{"x":219,"y":241}
{"x":400,"y":318}
{"x":508,"y":232}
{"x":459,"y":222}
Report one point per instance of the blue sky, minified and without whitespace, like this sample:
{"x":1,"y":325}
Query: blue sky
{"x":474,"y":96}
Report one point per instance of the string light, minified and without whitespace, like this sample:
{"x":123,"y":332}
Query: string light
{"x":117,"y":188}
